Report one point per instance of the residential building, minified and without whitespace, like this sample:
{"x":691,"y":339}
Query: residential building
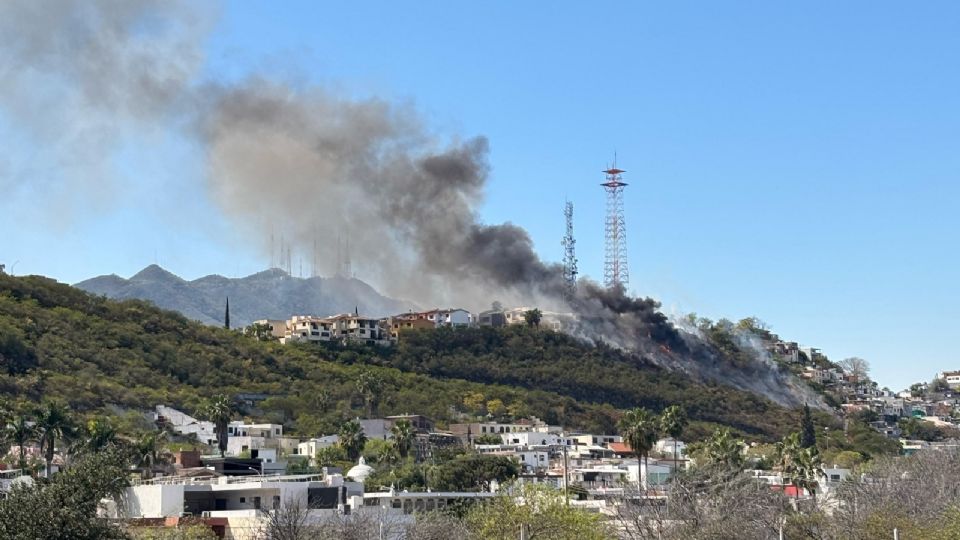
{"x":471,"y":430}
{"x":952,"y":378}
{"x":310,"y":447}
{"x":596,"y":440}
{"x":548,"y":319}
{"x":435,"y":318}
{"x":494,"y":318}
{"x":184,"y":424}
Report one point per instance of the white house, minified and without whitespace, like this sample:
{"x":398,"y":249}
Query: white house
{"x":235,"y":506}
{"x":184,"y":424}
{"x":671,"y":447}
{"x":310,"y":447}
{"x":596,"y":440}
{"x":531,"y":439}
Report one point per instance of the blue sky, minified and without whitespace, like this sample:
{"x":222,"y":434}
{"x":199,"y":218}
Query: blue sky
{"x":795,"y":162}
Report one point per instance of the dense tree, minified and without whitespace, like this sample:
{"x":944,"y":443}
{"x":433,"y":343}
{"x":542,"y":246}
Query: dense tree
{"x":939,"y":384}
{"x":488,"y":438}
{"x":532,"y":317}
{"x":808,"y":432}
{"x":352,"y":439}
{"x":470,"y":472}
{"x":219,"y":410}
{"x":260,"y":332}
{"x":16,"y":357}
{"x":537,"y":512}
{"x":65,"y":507}
{"x":640,"y":429}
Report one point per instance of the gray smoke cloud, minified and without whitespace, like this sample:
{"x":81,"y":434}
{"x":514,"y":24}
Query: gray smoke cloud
{"x":327,"y":171}
{"x":302,"y":163}
{"x":81,"y":78}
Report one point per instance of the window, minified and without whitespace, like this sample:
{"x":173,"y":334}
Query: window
{"x":243,"y":499}
{"x":277,"y":431}
{"x":256,"y":502}
{"x":395,"y":503}
{"x":276,"y":502}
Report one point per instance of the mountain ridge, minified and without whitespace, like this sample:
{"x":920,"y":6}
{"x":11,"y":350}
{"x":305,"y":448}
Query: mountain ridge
{"x":269,"y":294}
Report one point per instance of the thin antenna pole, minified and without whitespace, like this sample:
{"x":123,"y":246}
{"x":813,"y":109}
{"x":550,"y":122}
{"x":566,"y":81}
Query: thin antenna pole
{"x":569,"y":253}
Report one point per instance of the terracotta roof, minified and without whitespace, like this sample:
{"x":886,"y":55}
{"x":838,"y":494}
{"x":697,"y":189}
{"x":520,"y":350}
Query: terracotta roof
{"x":620,"y":448}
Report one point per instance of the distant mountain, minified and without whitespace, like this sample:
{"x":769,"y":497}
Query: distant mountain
{"x":271,"y":294}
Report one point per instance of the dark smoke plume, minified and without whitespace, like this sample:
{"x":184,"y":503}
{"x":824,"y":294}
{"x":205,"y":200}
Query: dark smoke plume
{"x":307,"y":165}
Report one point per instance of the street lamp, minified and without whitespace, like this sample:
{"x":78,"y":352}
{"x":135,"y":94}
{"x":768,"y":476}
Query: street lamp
{"x":258,"y":471}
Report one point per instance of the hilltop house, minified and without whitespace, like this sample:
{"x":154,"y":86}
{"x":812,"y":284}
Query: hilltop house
{"x":343,"y":327}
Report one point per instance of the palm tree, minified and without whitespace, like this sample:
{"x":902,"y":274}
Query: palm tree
{"x":808,"y":471}
{"x":788,"y":456}
{"x":98,"y":434}
{"x":673,"y":421}
{"x":352,"y":439}
{"x":402,"y":437}
{"x":21,"y":431}
{"x":150,"y":451}
{"x":53,"y":422}
{"x":218,"y":410}
{"x":800,"y":466}
{"x":725,"y":450}
{"x":369,"y":385}
{"x":640,"y":429}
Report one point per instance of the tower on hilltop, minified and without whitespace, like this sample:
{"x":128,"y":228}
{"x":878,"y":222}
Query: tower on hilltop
{"x":615,"y":271}
{"x":569,"y":253}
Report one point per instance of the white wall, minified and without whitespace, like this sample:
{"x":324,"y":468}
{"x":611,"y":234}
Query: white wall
{"x":153,"y":501}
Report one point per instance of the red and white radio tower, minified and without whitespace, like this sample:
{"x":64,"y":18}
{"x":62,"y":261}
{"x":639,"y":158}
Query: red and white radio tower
{"x":615,"y":264}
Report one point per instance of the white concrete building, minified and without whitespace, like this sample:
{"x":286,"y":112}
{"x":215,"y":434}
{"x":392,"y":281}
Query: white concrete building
{"x":234,"y":506}
{"x":310,"y":447}
{"x":596,"y":440}
{"x":531,"y":439}
{"x":184,"y":424}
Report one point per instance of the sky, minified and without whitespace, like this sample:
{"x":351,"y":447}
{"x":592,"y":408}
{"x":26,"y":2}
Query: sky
{"x":794,"y":162}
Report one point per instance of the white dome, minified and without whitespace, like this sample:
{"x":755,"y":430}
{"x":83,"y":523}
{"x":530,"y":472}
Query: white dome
{"x":360,"y":471}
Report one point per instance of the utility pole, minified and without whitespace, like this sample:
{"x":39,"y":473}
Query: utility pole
{"x":566,"y":488}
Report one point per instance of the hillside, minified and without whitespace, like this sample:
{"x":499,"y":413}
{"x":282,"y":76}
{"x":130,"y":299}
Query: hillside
{"x":105,"y":356}
{"x":272,"y":294}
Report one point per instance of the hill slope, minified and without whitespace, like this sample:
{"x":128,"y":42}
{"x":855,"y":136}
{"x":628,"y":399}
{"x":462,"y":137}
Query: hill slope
{"x":100,"y":355}
{"x":272,"y":294}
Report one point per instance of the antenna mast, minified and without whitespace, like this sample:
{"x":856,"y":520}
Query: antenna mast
{"x":615,"y":273}
{"x":569,"y":252}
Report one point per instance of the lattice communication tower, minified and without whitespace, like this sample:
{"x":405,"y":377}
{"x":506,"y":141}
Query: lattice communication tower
{"x":569,"y":252}
{"x":615,"y":271}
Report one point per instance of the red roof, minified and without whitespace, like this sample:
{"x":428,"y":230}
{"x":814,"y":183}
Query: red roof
{"x":620,"y":448}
